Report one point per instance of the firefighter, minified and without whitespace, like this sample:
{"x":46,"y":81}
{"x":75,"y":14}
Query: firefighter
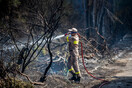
{"x":73,"y":41}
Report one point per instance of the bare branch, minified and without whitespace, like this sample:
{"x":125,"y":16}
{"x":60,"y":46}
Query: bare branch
{"x":112,"y":16}
{"x":28,"y":78}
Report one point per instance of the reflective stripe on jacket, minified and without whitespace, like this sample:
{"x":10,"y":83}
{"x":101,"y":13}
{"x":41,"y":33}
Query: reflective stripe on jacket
{"x":74,"y":42}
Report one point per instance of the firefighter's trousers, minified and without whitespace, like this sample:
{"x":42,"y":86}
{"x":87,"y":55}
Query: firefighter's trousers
{"x":73,"y":63}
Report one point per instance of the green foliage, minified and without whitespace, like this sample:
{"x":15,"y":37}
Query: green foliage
{"x":16,"y":3}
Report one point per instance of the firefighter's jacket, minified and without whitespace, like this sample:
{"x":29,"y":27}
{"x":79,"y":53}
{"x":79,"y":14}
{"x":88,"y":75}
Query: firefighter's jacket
{"x":73,"y":42}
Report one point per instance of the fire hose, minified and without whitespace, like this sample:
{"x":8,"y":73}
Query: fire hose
{"x":104,"y":81}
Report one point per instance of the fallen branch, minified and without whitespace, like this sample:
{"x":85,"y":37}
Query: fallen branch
{"x":89,"y":56}
{"x":28,"y":78}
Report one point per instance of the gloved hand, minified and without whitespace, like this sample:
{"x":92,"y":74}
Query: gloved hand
{"x":67,"y":33}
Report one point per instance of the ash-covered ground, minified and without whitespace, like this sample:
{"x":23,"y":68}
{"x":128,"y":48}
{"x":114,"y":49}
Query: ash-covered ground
{"x":116,"y":70}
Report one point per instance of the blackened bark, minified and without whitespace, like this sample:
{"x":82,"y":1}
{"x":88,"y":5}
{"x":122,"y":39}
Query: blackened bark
{"x":43,"y":78}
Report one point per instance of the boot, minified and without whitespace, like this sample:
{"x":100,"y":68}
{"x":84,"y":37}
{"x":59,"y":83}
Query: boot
{"x":77,"y":79}
{"x":73,"y":78}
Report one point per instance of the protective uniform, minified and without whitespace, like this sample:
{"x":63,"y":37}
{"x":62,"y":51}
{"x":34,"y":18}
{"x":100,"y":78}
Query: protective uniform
{"x":73,"y":66}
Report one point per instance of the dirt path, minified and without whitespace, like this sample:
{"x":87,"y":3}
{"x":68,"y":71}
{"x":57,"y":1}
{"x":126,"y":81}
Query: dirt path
{"x":127,"y":70}
{"x":123,"y":78}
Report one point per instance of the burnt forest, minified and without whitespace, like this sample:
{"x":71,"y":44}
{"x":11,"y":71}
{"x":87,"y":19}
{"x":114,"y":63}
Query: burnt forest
{"x":35,"y":43}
